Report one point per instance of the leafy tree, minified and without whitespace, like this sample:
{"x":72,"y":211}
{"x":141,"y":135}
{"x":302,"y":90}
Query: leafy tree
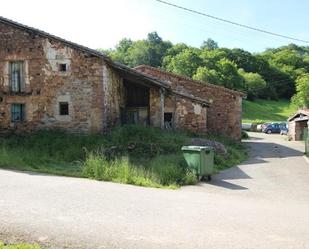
{"x":212,"y":57}
{"x":278,"y":67}
{"x":209,"y":44}
{"x":186,"y":62}
{"x":171,"y":52}
{"x":229,"y":75}
{"x":208,"y":75}
{"x":225,"y":74}
{"x":120,"y":54}
{"x":134,"y":53}
{"x":244,"y":59}
{"x":254,"y":84}
{"x":301,"y":98}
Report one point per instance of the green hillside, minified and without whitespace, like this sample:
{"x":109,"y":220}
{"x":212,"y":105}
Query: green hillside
{"x":260,"y":111}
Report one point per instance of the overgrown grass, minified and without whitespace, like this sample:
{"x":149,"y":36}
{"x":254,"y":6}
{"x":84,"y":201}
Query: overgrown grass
{"x":18,"y":246}
{"x":136,"y":155}
{"x":261,"y":111}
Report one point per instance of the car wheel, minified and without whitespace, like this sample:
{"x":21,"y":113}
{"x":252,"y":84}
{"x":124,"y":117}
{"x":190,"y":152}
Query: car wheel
{"x":269,"y":132}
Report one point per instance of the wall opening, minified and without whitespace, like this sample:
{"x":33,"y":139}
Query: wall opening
{"x":62,"y":67}
{"x":168,"y":120}
{"x":63,"y":108}
{"x":17,"y":76}
{"x":136,"y":110}
{"x":17,"y":112}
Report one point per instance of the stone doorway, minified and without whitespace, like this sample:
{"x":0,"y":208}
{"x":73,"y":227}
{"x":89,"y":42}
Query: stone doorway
{"x":136,"y":110}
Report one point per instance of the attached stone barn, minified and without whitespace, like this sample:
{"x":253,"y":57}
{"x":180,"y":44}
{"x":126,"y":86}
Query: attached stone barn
{"x":47,"y":82}
{"x":225,"y":110}
{"x":298,"y":123}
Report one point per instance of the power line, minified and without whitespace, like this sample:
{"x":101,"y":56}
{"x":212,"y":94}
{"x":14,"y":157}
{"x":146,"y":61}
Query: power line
{"x":231,"y":22}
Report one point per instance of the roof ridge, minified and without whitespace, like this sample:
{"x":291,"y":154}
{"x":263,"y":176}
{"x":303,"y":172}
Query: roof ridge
{"x":190,"y":79}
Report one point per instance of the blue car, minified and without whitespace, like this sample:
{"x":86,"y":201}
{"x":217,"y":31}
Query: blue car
{"x":274,"y":128}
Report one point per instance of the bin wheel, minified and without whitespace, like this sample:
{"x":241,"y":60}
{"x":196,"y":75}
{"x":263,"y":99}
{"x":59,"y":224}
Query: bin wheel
{"x":209,"y":178}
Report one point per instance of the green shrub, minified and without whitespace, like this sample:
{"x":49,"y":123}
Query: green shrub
{"x":244,"y":135}
{"x":168,"y":170}
{"x":153,"y":156}
{"x":18,"y":246}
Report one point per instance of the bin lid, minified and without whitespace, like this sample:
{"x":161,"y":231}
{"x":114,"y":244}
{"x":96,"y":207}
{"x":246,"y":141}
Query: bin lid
{"x":196,"y":148}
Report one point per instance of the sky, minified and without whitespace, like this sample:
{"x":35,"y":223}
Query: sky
{"x":102,"y":23}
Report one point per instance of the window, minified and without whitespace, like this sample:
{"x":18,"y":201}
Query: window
{"x":64,"y":108}
{"x":17,"y":80}
{"x":168,"y":120}
{"x":62,"y":67}
{"x":17,"y":112}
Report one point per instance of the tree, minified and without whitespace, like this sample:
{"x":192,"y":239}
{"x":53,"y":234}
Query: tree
{"x":172,"y":52}
{"x":209,"y":44}
{"x":208,"y":75}
{"x":229,"y":75}
{"x":254,"y":84}
{"x":301,"y":98}
{"x":185,"y":63}
{"x":149,"y":51}
{"x":212,"y":57}
{"x":120,"y":54}
{"x":243,"y":59}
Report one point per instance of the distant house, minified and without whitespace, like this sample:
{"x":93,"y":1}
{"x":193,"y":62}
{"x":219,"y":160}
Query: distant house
{"x":48,"y":82}
{"x":298,"y":123}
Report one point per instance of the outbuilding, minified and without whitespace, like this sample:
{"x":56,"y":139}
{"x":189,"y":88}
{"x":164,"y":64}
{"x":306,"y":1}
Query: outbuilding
{"x":298,"y":123}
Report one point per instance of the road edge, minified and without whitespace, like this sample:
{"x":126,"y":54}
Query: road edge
{"x":306,"y":158}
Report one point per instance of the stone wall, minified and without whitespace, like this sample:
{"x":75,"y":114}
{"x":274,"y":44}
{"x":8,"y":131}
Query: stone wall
{"x":88,"y":85}
{"x":91,"y":88}
{"x":224,"y":114}
{"x":187,"y":115}
{"x":297,"y":129}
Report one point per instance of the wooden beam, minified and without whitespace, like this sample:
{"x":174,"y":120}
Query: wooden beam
{"x":162,"y":108}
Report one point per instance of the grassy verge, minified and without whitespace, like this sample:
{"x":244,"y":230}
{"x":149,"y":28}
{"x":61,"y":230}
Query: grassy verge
{"x":18,"y":246}
{"x":136,"y":155}
{"x":261,"y":111}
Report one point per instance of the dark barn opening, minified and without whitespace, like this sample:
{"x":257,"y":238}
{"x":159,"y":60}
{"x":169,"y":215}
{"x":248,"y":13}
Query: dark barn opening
{"x":136,"y":109}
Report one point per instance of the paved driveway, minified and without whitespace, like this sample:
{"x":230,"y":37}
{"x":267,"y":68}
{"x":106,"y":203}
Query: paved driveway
{"x":263,"y":203}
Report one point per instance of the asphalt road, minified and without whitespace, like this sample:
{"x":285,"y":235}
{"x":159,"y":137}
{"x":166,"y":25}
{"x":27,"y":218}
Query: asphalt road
{"x":263,"y":203}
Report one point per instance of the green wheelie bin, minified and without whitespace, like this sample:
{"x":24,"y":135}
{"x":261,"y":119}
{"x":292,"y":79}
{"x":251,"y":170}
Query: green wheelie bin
{"x":200,"y":159}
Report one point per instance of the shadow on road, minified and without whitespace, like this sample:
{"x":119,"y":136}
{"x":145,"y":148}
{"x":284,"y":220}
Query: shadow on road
{"x":227,"y":185}
{"x":230,"y":174}
{"x":259,"y":151}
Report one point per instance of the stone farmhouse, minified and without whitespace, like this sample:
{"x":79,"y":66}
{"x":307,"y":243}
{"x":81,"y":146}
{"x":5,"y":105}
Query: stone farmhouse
{"x":47,"y":82}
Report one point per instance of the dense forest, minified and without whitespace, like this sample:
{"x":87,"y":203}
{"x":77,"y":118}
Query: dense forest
{"x":273,"y":74}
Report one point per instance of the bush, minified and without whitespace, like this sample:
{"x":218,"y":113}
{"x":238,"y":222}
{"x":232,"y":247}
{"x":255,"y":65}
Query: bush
{"x":130,"y":154}
{"x":244,"y":135}
{"x":166,"y":170}
{"x":18,"y":246}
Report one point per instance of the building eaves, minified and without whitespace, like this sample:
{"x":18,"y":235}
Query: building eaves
{"x":117,"y":66}
{"x":238,"y":93}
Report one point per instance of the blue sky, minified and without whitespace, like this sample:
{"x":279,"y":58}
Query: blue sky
{"x":102,"y":23}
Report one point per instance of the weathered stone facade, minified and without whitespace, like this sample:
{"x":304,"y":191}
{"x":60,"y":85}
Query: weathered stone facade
{"x":225,"y":110}
{"x":80,"y":85}
{"x":186,"y":114}
{"x":67,"y":86}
